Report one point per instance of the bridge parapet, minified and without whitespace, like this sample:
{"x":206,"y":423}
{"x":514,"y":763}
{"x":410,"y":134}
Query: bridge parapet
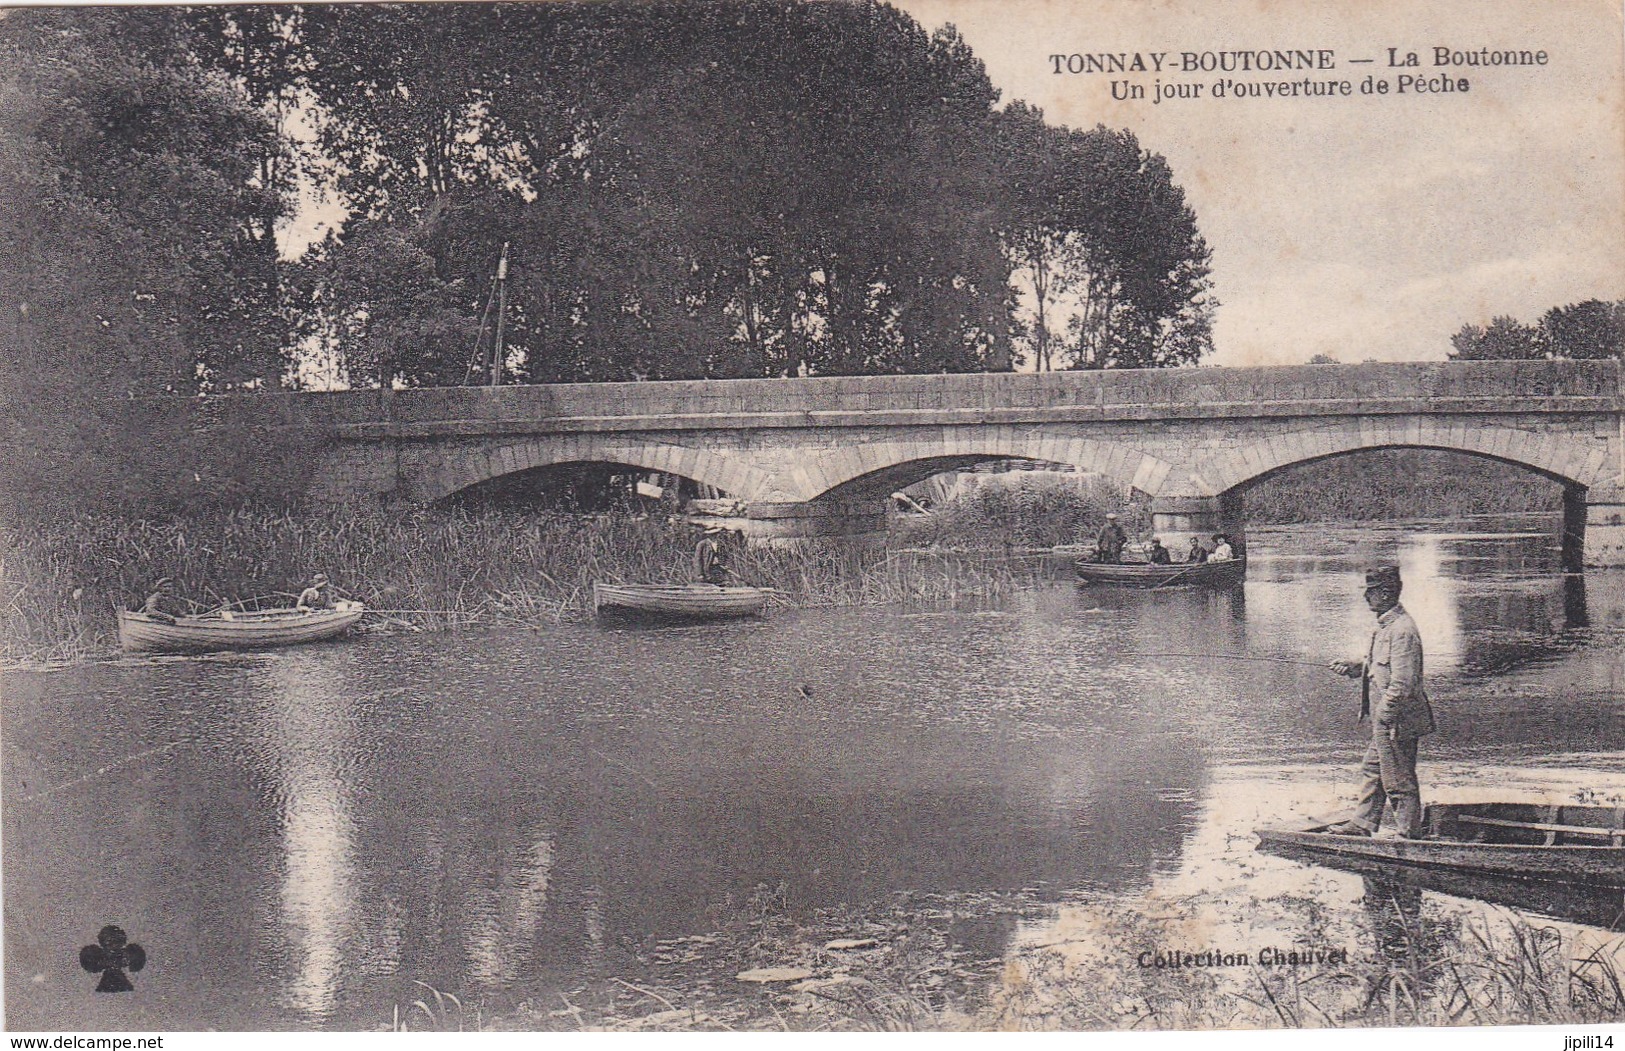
{"x":956,"y":399}
{"x":798,"y":450}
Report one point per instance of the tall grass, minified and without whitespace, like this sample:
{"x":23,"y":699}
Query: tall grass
{"x":1496,"y":969}
{"x":1024,"y":510}
{"x":60,"y":584}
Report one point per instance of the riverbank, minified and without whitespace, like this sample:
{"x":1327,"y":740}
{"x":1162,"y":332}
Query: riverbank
{"x":60,"y":581}
{"x":908,"y":967}
{"x":59,"y":586}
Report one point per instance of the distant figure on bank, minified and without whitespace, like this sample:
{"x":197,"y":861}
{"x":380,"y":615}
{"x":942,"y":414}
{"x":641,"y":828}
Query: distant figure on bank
{"x":1109,"y":545}
{"x":162,"y":603}
{"x":710,"y":567}
{"x":1391,"y":694}
{"x":1159,"y":555}
{"x":315,"y":596}
{"x":1197,"y":553}
{"x":1221,"y":549}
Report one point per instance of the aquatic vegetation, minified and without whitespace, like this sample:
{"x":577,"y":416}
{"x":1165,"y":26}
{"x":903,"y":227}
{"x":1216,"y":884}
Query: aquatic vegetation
{"x":1024,"y":510}
{"x":435,"y":568}
{"x":1404,"y":967}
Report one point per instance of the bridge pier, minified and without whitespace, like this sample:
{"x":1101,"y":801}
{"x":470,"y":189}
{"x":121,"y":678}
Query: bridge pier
{"x":1175,"y":519}
{"x":801,"y":520}
{"x":1593,"y":527}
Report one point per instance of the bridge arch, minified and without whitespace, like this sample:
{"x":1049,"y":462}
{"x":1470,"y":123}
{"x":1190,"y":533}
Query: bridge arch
{"x":877,"y":468}
{"x":458,"y":470}
{"x":1569,"y":460}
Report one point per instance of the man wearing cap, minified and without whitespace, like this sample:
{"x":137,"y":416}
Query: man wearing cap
{"x":1159,"y":555}
{"x":709,"y":565}
{"x":314,"y":596}
{"x":162,"y":604}
{"x":1109,"y":545}
{"x":1391,"y":694}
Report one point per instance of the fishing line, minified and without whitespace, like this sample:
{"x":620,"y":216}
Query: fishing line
{"x":1237,"y":657}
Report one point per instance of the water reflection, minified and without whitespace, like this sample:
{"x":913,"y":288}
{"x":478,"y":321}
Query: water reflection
{"x":505,"y":813}
{"x":309,"y":730}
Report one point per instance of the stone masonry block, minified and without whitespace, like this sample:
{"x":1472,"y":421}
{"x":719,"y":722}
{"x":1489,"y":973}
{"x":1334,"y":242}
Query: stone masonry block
{"x":1596,"y":470}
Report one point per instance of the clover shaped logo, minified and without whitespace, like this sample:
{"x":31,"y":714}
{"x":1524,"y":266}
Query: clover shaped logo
{"x":112,"y":955}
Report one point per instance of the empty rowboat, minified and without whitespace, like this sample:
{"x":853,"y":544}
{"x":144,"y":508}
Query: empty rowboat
{"x":234,"y":630}
{"x":686,"y":601}
{"x":1571,"y":844}
{"x":1149,"y":575}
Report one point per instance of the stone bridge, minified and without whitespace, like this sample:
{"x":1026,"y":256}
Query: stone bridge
{"x":820,"y":455}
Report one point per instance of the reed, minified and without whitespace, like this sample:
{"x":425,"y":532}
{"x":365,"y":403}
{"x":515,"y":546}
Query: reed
{"x":1494,"y":969}
{"x":61,"y":582}
{"x":1024,"y":510}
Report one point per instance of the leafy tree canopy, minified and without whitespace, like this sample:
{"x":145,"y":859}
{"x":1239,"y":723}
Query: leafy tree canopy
{"x":1582,"y":331}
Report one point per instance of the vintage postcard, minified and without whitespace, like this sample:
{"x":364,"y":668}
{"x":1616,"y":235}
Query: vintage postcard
{"x":813,"y":517}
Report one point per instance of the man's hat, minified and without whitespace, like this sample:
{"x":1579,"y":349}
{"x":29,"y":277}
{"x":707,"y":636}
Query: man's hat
{"x":1111,"y":517}
{"x":1382,"y":577}
{"x":319,"y":578}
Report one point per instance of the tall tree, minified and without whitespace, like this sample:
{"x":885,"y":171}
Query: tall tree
{"x":1503,"y":338}
{"x":750,"y":188}
{"x":1592,"y":329}
{"x":1107,"y":253}
{"x":126,"y":180}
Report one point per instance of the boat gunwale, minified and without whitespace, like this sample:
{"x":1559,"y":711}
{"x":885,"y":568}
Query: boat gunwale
{"x":1588,"y":864}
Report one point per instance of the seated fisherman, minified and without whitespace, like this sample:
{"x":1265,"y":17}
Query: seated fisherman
{"x":162,"y":603}
{"x":710,"y":567}
{"x":315,"y":596}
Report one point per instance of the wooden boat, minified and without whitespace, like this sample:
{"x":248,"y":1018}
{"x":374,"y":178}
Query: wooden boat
{"x":235,"y":630}
{"x":1594,"y":906}
{"x":1570,"y":844}
{"x":688,"y":601}
{"x":1148,"y":575}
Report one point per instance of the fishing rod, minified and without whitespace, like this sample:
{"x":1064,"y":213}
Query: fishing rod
{"x":1239,"y":657}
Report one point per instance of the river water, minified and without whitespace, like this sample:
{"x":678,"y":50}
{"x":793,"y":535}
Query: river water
{"x":297,"y":837}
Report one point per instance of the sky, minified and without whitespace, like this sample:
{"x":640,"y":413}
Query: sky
{"x":1370,"y":227}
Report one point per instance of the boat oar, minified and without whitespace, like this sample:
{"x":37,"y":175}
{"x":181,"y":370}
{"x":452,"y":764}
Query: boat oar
{"x":1176,"y":576}
{"x":425,"y":612}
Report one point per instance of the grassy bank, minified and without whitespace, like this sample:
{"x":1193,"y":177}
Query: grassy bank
{"x":59,"y":585}
{"x":903,"y":967}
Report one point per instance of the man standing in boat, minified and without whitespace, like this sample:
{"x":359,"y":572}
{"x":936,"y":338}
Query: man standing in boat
{"x":1109,"y":545}
{"x":1391,"y":694}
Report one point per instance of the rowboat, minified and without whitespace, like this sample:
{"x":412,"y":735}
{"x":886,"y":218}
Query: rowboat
{"x":688,"y":601}
{"x":1149,"y":575}
{"x":1594,"y":906}
{"x":1570,"y":844}
{"x":235,"y":630}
